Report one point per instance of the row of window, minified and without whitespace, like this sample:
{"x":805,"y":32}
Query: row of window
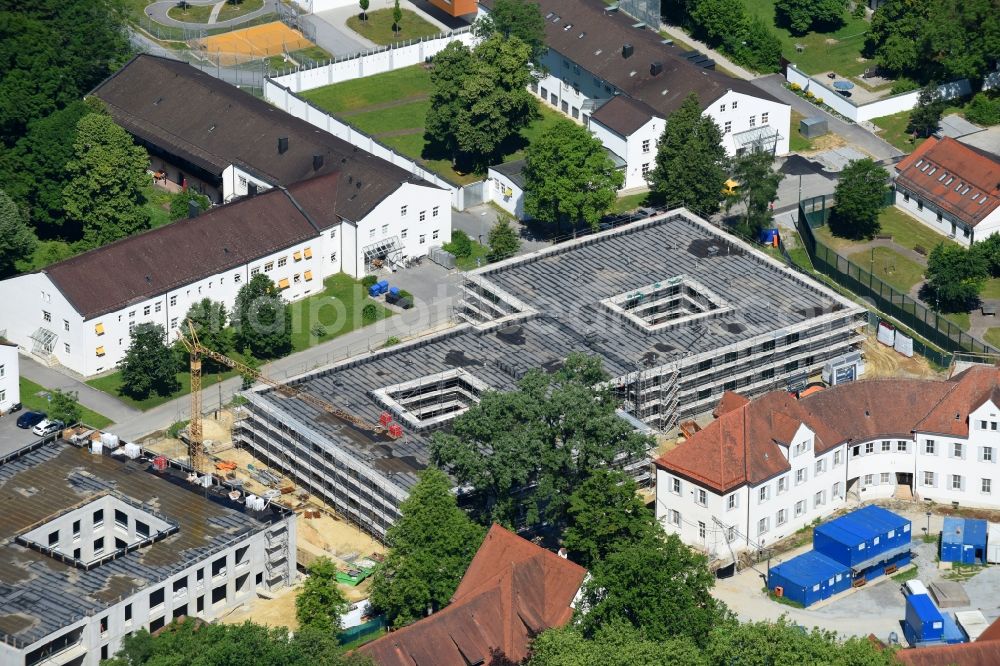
{"x":402,"y":213}
{"x":404,"y":233}
{"x":956,"y":482}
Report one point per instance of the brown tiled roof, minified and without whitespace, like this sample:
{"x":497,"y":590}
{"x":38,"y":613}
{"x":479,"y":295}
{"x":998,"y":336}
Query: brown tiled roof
{"x":958,"y":179}
{"x":623,"y":115}
{"x":730,"y":400}
{"x":594,"y":41}
{"x":992,"y":633}
{"x":962,"y":654}
{"x":143,"y":266}
{"x":213,"y":124}
{"x":971,"y":388}
{"x":512,"y":591}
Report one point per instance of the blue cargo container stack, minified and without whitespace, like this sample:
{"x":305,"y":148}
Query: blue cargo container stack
{"x":925,"y":625}
{"x":963,"y":540}
{"x":850,"y":550}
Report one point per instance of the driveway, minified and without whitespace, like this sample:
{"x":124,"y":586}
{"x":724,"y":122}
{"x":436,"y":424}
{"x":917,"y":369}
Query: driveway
{"x":11,"y":437}
{"x":330,"y":33}
{"x":89,"y":397}
{"x":854,"y":135}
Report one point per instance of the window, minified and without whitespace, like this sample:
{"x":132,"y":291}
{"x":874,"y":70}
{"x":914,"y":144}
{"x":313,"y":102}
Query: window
{"x":884,"y":478}
{"x":141,"y":529}
{"x":159,"y":306}
{"x":98,"y":518}
{"x":76,"y":529}
{"x":929,"y":447}
{"x":886,"y":446}
{"x":645,"y":145}
{"x":920,"y":204}
{"x":243,"y":183}
{"x":434,"y":234}
{"x":722,"y":108}
{"x":956,"y":450}
{"x":402,"y":211}
{"x":65,"y":324}
{"x":121,"y":519}
{"x":402,"y":234}
{"x":268,"y":267}
{"x":820,"y":498}
{"x":987,"y":455}
{"x":820,"y":466}
{"x":128,"y":613}
{"x":46,"y":315}
{"x":727,"y":127}
{"x":236,"y":278}
{"x":838,"y":457}
{"x":701,"y":530}
{"x":371,"y":233}
{"x":782,"y":517}
{"x":66,"y":347}
{"x":422,"y":216}
{"x":157,"y":624}
{"x":956,"y":482}
{"x":423,"y":238}
{"x":835,"y":491}
{"x":701,"y":497}
{"x":219,"y":567}
{"x":544,"y":93}
{"x":241,"y":555}
{"x":173,"y":324}
{"x":801,"y":448}
{"x":98,"y":546}
{"x":553,"y":99}
{"x":180,"y":586}
{"x":763,"y":494}
{"x":753,"y":121}
{"x":674,"y":517}
{"x":131,"y":315}
{"x":675,"y":486}
{"x":869,"y":448}
{"x":435,"y":211}
{"x":869,"y":479}
{"x":333,"y":256}
{"x":156,"y":598}
{"x":901,"y":446}
{"x":54,"y":538}
{"x":173,"y":300}
{"x":732,"y":501}
{"x":730,"y":534}
{"x":296,"y":278}
{"x":734,"y":103}
{"x":782,"y":484}
{"x":282,"y":261}
{"x":987,"y":486}
{"x":929,"y":478}
{"x":800,"y":476}
{"x":763,"y":118}
{"x":645,"y":168}
{"x":762,"y":525}
{"x":385,"y":229}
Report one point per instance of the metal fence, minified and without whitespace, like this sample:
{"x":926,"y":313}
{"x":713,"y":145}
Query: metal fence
{"x":925,"y":322}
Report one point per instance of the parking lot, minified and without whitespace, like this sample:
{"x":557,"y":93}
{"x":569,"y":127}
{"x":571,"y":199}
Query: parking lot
{"x":877,"y":608}
{"x":11,"y":437}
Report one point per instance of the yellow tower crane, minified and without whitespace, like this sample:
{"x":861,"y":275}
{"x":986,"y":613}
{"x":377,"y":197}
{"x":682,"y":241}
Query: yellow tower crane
{"x":196,"y":450}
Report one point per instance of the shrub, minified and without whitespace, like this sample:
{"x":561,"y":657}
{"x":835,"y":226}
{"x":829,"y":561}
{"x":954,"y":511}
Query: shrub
{"x":368,"y":280}
{"x":983,"y":109}
{"x":859,"y":10}
{"x":318,"y":330}
{"x":405,"y":294}
{"x":818,"y":100}
{"x":460,"y":244}
{"x":794,"y":87}
{"x":391,"y":340}
{"x":369,"y":313}
{"x":179,"y":204}
{"x":903,"y":85}
{"x":810,"y":96}
{"x":174,"y":431}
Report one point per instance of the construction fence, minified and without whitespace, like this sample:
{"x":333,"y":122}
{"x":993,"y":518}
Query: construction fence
{"x":925,"y":322}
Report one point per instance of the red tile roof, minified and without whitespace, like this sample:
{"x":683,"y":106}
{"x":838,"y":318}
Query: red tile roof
{"x":748,"y":442}
{"x":729,"y":401}
{"x":962,"y":654}
{"x":512,"y":591}
{"x":954,"y":177}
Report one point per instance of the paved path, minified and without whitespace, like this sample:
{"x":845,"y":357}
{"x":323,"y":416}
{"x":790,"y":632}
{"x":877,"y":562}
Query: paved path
{"x":856,"y":136}
{"x":158,"y":12}
{"x":678,"y":33}
{"x":214,"y":16}
{"x":89,"y":397}
{"x":333,"y":37}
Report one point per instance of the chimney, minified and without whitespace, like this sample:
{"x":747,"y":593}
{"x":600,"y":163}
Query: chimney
{"x":655,"y":68}
{"x":627,"y":50}
{"x":193,"y":208}
{"x":317,"y":162}
{"x":282,"y":145}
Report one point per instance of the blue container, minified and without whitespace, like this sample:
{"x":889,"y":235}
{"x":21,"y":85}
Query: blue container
{"x":383,"y":286}
{"x":952,"y":633}
{"x":767,"y":236}
{"x":809,"y":578}
{"x":394,"y":291}
{"x":924,"y":621}
{"x":861,"y":535}
{"x":879,"y":568}
{"x":953,"y":542}
{"x":374,"y":290}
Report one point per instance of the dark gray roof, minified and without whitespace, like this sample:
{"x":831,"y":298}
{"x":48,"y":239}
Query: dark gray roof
{"x":514,"y":171}
{"x":565,"y":285}
{"x":594,"y":41}
{"x":623,"y":115}
{"x":39,"y":594}
{"x":213,"y":124}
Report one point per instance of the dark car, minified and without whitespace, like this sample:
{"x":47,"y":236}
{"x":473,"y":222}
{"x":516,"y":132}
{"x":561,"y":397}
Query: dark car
{"x":30,"y":419}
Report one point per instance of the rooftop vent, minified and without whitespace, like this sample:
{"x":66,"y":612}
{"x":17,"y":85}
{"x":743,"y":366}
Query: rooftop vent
{"x":282,"y":145}
{"x":655,"y":68}
{"x":317,"y":162}
{"x":632,"y":73}
{"x":567,"y":27}
{"x":598,"y":52}
{"x":627,"y":50}
{"x":581,"y":35}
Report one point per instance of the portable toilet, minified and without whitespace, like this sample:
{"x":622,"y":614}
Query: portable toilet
{"x":924,"y":622}
{"x":993,"y":543}
{"x":808,"y":578}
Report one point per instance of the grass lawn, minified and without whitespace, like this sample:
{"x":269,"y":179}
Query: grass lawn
{"x":31,"y":400}
{"x":337,"y":309}
{"x":960,"y":319}
{"x":817,"y":55}
{"x":479,"y":251}
{"x":908,"y":231}
{"x":991,"y":289}
{"x":798,"y":143}
{"x":231,"y":11}
{"x":894,"y":128}
{"x":112,"y":385}
{"x":193,"y":14}
{"x":628,"y":203}
{"x":405,"y":117}
{"x":357,"y":94}
{"x":158,"y":205}
{"x":378,"y":27}
{"x":992,"y":336}
{"x":909,"y":574}
{"x":890,"y":267}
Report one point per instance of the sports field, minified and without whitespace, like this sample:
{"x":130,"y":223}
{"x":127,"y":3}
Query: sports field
{"x":260,"y":41}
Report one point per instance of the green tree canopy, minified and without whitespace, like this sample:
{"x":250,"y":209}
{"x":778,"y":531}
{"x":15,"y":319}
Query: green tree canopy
{"x":989,"y":250}
{"x":196,"y":643}
{"x":503,"y":238}
{"x":758,"y":188}
{"x":801,"y":16}
{"x":107,"y":175}
{"x":149,"y":365}
{"x":955,"y":277}
{"x":321,"y":603}
{"x":17,"y":241}
{"x":262,"y":319}
{"x":397,"y":16}
{"x":758,"y":48}
{"x":430,"y":547}
{"x":515,"y":18}
{"x":568,"y":176}
{"x":447,"y":103}
{"x":63,"y":406}
{"x":364,"y":9}
{"x":526,"y":451}
{"x":209,"y":320}
{"x":605,"y":513}
{"x":618,"y":644}
{"x":860,"y":195}
{"x":691,"y":163}
{"x":926,"y":115}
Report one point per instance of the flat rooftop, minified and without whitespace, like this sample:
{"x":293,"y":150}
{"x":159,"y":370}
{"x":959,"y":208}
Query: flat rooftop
{"x":563,"y":296}
{"x":39,"y":594}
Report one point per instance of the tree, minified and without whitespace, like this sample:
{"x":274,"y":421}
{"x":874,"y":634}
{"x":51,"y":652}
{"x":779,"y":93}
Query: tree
{"x":180,"y":204}
{"x":543,"y":441}
{"x":397,"y":16}
{"x":860,"y":195}
{"x":721,"y":21}
{"x":447,"y":104}
{"x":503,"y":238}
{"x":107,"y":176}
{"x":149,"y":365}
{"x":568,"y":176}
{"x":984,"y":109}
{"x":803,"y":15}
{"x":604,"y":513}
{"x":17,"y":242}
{"x":690,"y":167}
{"x":261,"y":319}
{"x":364,"y":9}
{"x":955,"y":276}
{"x":759,"y":48}
{"x":63,"y":406}
{"x":321,"y":603}
{"x":673,"y":600}
{"x":195,"y":642}
{"x":430,"y":547}
{"x":926,"y":115}
{"x":515,"y":18}
{"x":758,"y":188}
{"x":209,"y":320}
{"x":618,"y":644}
{"x":895,"y":37}
{"x":249,"y":379}
{"x":460,"y":244}
{"x":782,"y":642}
{"x":496,"y":103}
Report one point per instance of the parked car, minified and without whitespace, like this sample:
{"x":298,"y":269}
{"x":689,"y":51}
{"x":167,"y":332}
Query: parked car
{"x":47,"y":427}
{"x":30,"y":419}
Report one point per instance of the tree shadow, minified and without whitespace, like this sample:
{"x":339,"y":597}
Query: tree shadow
{"x":929,"y":296}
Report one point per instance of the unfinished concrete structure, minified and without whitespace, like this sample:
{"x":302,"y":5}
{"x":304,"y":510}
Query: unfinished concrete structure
{"x":94,"y":547}
{"x":678,"y":311}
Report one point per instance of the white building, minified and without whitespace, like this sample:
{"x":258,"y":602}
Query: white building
{"x":505,"y":184}
{"x":952,"y":188}
{"x":106,"y":546}
{"x":10,"y":387}
{"x":764,"y":469}
{"x":623,"y":81}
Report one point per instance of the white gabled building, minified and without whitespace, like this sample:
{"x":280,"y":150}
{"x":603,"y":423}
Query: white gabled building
{"x":10,"y":388}
{"x":764,"y":469}
{"x":623,"y":81}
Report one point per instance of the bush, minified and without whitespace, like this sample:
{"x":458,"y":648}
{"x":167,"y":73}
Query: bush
{"x":859,"y":10}
{"x":794,"y":87}
{"x":983,"y":109}
{"x":368,"y":280}
{"x":179,"y":204}
{"x":369,"y":313}
{"x":318,"y":330}
{"x":405,"y":294}
{"x":174,"y":431}
{"x":810,"y":96}
{"x":460,"y":244}
{"x":903,"y":85}
{"x":391,"y":340}
{"x":818,"y":100}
